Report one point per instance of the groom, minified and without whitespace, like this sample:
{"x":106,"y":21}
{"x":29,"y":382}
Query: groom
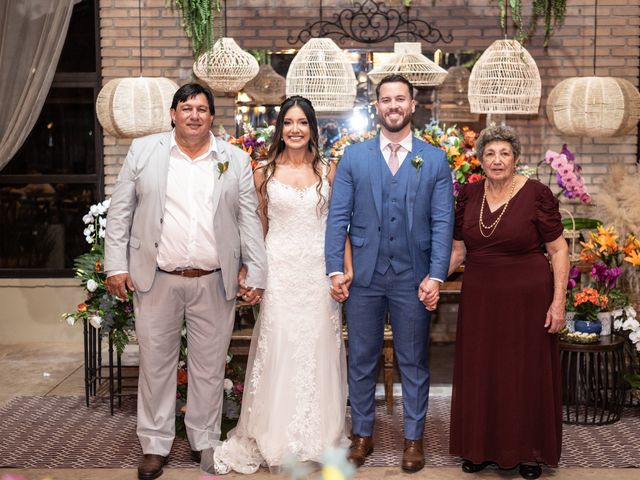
{"x":182,"y":216}
{"x":393,"y":196}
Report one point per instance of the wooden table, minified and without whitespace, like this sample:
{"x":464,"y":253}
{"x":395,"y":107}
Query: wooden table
{"x":593,"y":389}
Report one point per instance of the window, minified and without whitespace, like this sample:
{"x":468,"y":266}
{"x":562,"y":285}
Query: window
{"x":57,"y":174}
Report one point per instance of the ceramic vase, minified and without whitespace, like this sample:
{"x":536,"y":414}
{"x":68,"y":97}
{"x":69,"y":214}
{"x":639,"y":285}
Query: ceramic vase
{"x":587,"y":326}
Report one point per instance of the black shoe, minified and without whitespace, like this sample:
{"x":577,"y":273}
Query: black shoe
{"x":196,"y":456}
{"x":469,"y":467}
{"x":530,"y":472}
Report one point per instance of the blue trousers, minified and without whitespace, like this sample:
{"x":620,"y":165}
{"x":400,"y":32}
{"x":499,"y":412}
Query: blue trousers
{"x":366,"y":311}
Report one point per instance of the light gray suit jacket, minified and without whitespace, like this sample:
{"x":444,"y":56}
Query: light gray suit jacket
{"x":135,"y":216}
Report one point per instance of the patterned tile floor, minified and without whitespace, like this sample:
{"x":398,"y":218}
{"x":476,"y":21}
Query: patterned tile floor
{"x":61,"y":432}
{"x":45,"y":369}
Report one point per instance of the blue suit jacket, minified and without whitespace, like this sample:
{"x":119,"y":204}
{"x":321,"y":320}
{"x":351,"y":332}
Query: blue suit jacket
{"x":356,"y":205}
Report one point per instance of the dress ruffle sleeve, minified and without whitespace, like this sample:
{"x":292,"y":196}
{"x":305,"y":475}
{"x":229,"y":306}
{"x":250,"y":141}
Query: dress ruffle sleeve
{"x":461,"y":201}
{"x":548,"y":218}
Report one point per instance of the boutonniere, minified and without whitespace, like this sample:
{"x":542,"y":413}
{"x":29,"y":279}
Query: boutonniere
{"x":417,"y":162}
{"x":222,"y":167}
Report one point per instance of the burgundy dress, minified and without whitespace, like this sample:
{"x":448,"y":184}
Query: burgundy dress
{"x":507,"y":398}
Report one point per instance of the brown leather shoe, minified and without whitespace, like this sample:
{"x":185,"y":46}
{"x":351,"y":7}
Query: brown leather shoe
{"x":413,"y":457}
{"x":150,"y":466}
{"x":360,"y":449}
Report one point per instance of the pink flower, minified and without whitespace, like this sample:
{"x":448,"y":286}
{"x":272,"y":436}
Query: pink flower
{"x":559,"y":162}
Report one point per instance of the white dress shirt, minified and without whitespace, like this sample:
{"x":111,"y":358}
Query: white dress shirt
{"x":187,"y":239}
{"x":406,"y":144}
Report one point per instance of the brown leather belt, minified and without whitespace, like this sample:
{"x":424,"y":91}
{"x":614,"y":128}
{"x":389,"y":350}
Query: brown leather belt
{"x":191,"y":272}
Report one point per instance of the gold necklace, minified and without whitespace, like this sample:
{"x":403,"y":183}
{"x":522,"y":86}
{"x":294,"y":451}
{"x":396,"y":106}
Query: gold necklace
{"x":494,"y":225}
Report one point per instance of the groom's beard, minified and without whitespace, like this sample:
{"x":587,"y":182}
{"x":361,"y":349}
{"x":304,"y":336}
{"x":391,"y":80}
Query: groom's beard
{"x":394,"y":127}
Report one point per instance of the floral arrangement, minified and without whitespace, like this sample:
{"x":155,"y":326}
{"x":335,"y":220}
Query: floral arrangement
{"x":100,"y":309}
{"x":588,"y":302}
{"x":337,"y":150}
{"x":625,"y":321}
{"x":603,"y":246}
{"x":254,"y":141}
{"x":567,"y":174}
{"x":460,"y":147}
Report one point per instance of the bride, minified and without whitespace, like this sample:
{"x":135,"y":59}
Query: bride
{"x":294,"y":400}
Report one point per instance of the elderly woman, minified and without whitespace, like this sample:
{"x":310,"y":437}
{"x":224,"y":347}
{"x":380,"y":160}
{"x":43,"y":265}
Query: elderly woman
{"x":506,"y":405}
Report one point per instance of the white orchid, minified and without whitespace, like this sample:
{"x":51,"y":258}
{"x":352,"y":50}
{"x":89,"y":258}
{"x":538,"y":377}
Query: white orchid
{"x":635,"y":336}
{"x":101,"y":232}
{"x":617,"y":324}
{"x":94,"y":210}
{"x":630,"y":324}
{"x":71,"y":320}
{"x":630,"y":311}
{"x":107,"y":203}
{"x":88,"y":218}
{"x":92,"y":285}
{"x":102,"y":222}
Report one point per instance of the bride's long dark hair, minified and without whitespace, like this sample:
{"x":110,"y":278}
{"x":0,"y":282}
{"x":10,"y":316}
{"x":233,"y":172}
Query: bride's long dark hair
{"x":278,"y":146}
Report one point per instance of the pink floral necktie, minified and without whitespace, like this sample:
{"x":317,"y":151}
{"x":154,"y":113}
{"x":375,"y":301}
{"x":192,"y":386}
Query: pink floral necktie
{"x":394,"y":161}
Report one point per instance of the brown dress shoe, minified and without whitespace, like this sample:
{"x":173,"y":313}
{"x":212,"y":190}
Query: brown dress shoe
{"x":413,"y":457}
{"x":150,"y":466}
{"x":360,"y":449}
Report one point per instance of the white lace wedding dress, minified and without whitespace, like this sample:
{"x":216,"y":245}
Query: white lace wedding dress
{"x":295,"y":389}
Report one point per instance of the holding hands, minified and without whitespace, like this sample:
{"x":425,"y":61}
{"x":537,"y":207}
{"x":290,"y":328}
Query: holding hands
{"x":429,"y":293}
{"x":249,"y":295}
{"x":340,"y":284}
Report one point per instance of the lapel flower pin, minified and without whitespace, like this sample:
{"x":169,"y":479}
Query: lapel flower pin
{"x":222,"y":167}
{"x":417,"y":162}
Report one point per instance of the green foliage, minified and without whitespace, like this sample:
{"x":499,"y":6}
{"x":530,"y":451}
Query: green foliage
{"x":197,"y":21}
{"x":552,"y":11}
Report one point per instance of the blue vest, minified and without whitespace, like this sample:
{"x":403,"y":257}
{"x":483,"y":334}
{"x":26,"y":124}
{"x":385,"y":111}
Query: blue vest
{"x":394,"y":243}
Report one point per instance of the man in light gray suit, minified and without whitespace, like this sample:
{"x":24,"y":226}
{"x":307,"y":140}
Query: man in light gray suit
{"x":182,"y":219}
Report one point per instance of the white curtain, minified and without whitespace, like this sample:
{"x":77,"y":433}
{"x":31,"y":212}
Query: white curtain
{"x":32,"y":33}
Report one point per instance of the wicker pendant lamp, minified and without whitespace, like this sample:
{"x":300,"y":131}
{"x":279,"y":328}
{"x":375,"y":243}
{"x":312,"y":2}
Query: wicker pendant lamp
{"x":505,"y":80}
{"x":322,"y":73}
{"x":226,"y":67}
{"x":266,"y":88}
{"x":136,"y":106}
{"x":408,"y":61}
{"x":594,"y":106}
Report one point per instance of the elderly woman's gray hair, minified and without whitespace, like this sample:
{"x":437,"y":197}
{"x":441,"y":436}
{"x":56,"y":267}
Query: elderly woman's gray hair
{"x":498,"y":132}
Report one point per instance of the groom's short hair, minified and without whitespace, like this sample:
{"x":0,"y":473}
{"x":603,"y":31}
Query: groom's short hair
{"x":394,"y":77}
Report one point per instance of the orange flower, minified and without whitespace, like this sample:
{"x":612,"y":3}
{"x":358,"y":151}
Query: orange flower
{"x":633,"y":258}
{"x":98,"y":265}
{"x":459,"y":161}
{"x":182,"y":376}
{"x":82,"y":307}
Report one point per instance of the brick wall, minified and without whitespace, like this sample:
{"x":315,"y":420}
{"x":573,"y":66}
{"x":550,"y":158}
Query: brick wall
{"x":266,"y":24}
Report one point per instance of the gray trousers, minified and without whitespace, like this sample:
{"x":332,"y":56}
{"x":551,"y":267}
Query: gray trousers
{"x":160,"y":313}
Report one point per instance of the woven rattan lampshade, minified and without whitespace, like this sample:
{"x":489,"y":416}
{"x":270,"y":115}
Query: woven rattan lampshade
{"x":453,"y":99}
{"x":505,"y":79}
{"x":134,"y":107}
{"x":594,"y":106}
{"x":226,"y":67}
{"x":266,"y":88}
{"x":322,"y":73}
{"x":408,"y":61}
